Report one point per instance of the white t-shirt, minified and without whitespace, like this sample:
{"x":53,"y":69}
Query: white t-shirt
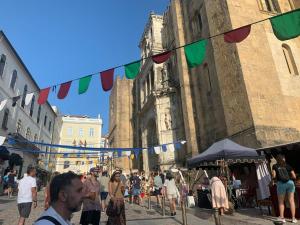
{"x":25,"y":185}
{"x":51,"y":212}
{"x":171,"y":187}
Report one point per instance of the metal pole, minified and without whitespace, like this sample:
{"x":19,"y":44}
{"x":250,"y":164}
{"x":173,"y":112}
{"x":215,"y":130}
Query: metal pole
{"x":183,"y":210}
{"x":217,"y":216}
{"x":149,"y":198}
{"x":163,"y":205}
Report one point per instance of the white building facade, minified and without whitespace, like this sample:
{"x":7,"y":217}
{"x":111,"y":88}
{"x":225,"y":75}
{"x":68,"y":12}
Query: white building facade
{"x":22,"y":122}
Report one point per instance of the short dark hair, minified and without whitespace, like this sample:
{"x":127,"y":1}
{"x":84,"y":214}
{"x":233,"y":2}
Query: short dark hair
{"x":169,"y":176}
{"x":30,"y":168}
{"x":60,"y":182}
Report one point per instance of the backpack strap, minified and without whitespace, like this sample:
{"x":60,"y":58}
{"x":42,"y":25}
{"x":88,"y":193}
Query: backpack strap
{"x":49,"y":218}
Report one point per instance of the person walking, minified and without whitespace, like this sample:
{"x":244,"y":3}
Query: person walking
{"x":11,"y":183}
{"x":218,"y":195}
{"x":116,"y":206}
{"x":104,"y":180}
{"x":158,"y":184}
{"x":284,"y":175}
{"x":171,"y":191}
{"x":136,"y":188}
{"x":91,"y":211}
{"x":66,"y":191}
{"x":27,"y":194}
{"x":47,"y":191}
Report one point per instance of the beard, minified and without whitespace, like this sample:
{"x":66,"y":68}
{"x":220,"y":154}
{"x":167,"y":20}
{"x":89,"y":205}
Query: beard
{"x":75,"y":207}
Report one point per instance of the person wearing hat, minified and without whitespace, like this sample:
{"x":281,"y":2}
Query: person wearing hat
{"x":91,"y":211}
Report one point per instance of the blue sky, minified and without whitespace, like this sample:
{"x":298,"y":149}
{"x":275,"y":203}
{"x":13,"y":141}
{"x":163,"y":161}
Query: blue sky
{"x":60,"y":40}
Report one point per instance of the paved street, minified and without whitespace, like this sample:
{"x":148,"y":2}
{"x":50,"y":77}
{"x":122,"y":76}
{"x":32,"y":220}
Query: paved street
{"x":139,"y":215}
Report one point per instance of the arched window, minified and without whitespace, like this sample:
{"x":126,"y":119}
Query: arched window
{"x":24,"y":96}
{"x":19,"y":126}
{"x":28,"y":133}
{"x":13,"y":79}
{"x":32,"y":105}
{"x":39,"y":114}
{"x":289,"y":58}
{"x":5,"y":119}
{"x":2,"y":64}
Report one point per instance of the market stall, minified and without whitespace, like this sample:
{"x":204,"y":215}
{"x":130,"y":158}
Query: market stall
{"x":291,"y":152}
{"x":241,"y":166}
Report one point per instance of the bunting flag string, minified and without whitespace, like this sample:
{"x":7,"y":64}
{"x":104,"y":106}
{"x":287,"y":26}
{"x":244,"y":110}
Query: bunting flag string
{"x":44,"y":93}
{"x":107,"y":79}
{"x":285,"y":26}
{"x":84,"y":83}
{"x":195,"y":53}
{"x":237,"y":35}
{"x":28,"y":98}
{"x":2,"y":104}
{"x":15,"y":100}
{"x":132,"y":69}
{"x":64,"y":90}
{"x":162,"y":57}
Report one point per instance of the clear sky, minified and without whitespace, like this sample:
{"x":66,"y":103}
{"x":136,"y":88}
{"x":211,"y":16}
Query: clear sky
{"x":60,"y":40}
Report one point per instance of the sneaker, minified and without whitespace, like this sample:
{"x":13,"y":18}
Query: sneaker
{"x":294,"y":220}
{"x":281,"y":220}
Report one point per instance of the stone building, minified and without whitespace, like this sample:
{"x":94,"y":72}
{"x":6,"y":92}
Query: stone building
{"x":247,"y":91}
{"x":157,"y":111}
{"x":22,"y":122}
{"x":80,"y":131}
{"x":120,"y":116}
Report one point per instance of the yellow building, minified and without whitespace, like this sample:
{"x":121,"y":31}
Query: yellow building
{"x":79,"y":131}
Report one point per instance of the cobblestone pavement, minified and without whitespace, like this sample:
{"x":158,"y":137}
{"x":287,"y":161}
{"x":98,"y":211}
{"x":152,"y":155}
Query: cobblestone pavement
{"x":135,"y":215}
{"x":139,"y":215}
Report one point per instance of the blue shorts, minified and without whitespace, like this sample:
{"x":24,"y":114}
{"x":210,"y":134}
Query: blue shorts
{"x":136,"y":192}
{"x":103,"y":195}
{"x":287,"y":187}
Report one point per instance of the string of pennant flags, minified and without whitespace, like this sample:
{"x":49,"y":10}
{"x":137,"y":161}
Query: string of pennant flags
{"x":89,"y":151}
{"x":285,"y":26}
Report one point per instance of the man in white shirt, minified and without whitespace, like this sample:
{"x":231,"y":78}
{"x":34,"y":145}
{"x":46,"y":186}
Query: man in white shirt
{"x":66,"y":196}
{"x":27,"y":194}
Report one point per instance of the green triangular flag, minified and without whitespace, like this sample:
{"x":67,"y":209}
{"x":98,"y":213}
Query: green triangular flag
{"x":132,"y":69}
{"x":195,"y":53}
{"x":84,"y":83}
{"x":286,"y":26}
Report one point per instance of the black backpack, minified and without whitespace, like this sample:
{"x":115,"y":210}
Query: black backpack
{"x":282,"y":174}
{"x":49,"y":218}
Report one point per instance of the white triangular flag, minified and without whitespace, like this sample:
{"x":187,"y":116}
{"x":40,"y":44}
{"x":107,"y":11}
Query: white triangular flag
{"x":28,"y":98}
{"x":183,"y":142}
{"x":171,"y":147}
{"x":2,"y":104}
{"x":128,"y":153}
{"x":157,"y":149}
{"x":110,"y":154}
{"x":2,"y":139}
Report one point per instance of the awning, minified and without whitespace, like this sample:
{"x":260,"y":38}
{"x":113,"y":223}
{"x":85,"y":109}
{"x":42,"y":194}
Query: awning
{"x":224,"y":150}
{"x":15,"y":159}
{"x":4,"y":153}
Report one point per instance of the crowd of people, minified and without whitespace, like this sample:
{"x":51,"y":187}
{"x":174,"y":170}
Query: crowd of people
{"x":98,"y":192}
{"x":93,"y":193}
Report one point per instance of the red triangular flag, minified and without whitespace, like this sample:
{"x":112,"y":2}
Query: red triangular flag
{"x":107,"y":79}
{"x":237,"y":35}
{"x":162,"y":57}
{"x":43,"y":96}
{"x":64,"y":90}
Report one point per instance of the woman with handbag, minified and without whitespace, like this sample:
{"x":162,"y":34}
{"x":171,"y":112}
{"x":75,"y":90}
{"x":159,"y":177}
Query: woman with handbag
{"x":116,"y":206}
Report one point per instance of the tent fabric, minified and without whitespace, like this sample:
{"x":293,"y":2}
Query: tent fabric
{"x":225,"y":149}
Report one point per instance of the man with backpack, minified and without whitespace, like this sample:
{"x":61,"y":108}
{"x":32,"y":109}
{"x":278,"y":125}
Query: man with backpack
{"x":66,"y":197}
